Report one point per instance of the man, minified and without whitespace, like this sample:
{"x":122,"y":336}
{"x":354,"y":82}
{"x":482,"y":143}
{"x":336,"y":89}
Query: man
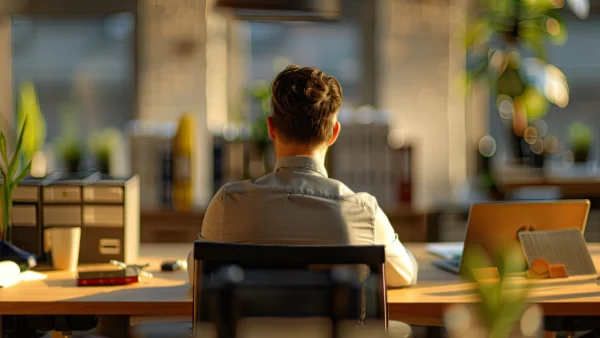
{"x":297,"y":204}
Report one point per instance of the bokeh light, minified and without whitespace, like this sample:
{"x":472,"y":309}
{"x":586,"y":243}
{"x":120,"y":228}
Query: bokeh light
{"x":531,"y":321}
{"x":581,"y":8}
{"x":551,"y":144}
{"x":530,"y":135}
{"x":538,"y":146}
{"x":498,"y":61}
{"x":536,"y":105}
{"x":487,"y":146}
{"x":505,"y":107}
{"x":395,"y":138}
{"x":458,"y":320}
{"x":556,"y":88}
{"x":541,"y":126}
{"x":553,"y":27}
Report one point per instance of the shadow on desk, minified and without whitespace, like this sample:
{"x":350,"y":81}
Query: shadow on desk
{"x":550,"y":287}
{"x":155,"y":295}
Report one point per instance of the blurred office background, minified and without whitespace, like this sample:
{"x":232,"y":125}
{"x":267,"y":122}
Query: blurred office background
{"x":411,"y":134}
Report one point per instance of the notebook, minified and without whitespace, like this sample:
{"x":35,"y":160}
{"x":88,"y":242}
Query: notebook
{"x":566,"y":247}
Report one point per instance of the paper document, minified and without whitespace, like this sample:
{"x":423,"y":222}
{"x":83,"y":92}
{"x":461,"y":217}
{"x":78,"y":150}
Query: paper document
{"x":566,"y":247}
{"x":448,"y":250}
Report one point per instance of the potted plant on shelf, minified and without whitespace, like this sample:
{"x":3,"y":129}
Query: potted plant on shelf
{"x":12,"y":174}
{"x":70,"y":151}
{"x":35,"y":135}
{"x":259,"y":133}
{"x":581,"y":141}
{"x":102,"y":146}
{"x":498,"y":41}
{"x":69,"y":146}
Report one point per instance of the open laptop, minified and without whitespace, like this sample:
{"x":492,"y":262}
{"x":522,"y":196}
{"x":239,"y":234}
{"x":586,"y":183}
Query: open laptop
{"x":492,"y":226}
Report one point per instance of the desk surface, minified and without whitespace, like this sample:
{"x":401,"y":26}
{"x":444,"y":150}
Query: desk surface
{"x":167,"y":294}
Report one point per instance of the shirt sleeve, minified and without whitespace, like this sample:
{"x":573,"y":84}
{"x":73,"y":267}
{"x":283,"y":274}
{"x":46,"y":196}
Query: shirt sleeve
{"x":211,"y":225}
{"x":211,"y":228}
{"x":401,"y":267}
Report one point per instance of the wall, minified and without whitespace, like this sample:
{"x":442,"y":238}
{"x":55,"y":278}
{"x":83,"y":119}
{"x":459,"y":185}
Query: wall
{"x":6,"y":93}
{"x":416,"y":80}
{"x":84,"y":66}
{"x":172,"y":72}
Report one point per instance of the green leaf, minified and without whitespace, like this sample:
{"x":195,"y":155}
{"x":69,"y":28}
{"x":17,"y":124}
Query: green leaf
{"x":14,"y":160}
{"x":21,"y":176}
{"x":3,"y":149}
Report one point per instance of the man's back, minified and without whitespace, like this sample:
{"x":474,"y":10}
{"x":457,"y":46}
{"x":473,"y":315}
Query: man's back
{"x":298,"y":204}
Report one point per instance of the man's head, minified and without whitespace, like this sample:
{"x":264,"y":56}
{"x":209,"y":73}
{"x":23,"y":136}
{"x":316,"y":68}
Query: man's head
{"x":304,"y":106}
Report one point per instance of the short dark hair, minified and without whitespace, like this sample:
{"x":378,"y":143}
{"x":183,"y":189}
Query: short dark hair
{"x":304,"y":102}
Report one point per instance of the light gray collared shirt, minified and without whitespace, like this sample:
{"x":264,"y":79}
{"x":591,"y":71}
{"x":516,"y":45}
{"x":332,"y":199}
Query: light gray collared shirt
{"x":298,"y":204}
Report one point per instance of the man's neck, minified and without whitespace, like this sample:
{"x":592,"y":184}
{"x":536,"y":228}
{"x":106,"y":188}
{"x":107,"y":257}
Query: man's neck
{"x":317,"y":153}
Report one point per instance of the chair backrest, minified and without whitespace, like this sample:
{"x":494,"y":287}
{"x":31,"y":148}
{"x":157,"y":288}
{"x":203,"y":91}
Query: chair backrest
{"x":274,"y":274}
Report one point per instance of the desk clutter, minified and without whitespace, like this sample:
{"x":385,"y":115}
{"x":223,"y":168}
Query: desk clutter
{"x":125,"y":274}
{"x":556,"y":253}
{"x":99,"y":214}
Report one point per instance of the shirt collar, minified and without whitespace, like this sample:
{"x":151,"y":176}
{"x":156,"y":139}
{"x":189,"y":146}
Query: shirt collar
{"x":304,"y":162}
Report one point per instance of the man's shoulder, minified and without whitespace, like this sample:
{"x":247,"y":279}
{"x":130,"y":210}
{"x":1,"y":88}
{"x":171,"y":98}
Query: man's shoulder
{"x":235,"y":187}
{"x":318,"y":186}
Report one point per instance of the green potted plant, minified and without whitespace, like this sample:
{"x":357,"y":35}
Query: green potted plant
{"x":102,"y":145}
{"x":35,"y":134}
{"x":499,"y":39}
{"x":259,"y":132}
{"x":69,"y":146}
{"x":501,"y":298}
{"x":581,"y":141}
{"x":70,"y":151}
{"x":12,"y":174}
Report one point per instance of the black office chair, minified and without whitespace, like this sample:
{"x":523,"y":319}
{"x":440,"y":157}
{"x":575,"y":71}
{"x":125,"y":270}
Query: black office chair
{"x":233,"y":281}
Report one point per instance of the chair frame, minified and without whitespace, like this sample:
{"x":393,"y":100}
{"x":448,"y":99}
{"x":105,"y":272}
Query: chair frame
{"x":208,"y":256}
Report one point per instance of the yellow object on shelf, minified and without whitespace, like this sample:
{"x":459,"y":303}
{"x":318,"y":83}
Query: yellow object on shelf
{"x":184,"y":171}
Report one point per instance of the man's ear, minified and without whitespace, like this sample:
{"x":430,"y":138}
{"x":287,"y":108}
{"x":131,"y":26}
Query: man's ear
{"x":271,"y":128}
{"x":336,"y":133}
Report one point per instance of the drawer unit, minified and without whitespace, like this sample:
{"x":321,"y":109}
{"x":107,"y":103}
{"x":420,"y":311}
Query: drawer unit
{"x":106,"y":209}
{"x":111,"y":221}
{"x":103,"y":216}
{"x":26,"y":194}
{"x":99,"y":244}
{"x":96,"y":194}
{"x":62,"y":194}
{"x":24,"y":216}
{"x":62,"y":215}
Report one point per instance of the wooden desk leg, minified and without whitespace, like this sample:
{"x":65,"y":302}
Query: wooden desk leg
{"x":115,"y":327}
{"x":1,"y":332}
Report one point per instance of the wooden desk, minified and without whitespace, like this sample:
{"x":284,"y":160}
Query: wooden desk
{"x":168,"y":294}
{"x":424,"y":304}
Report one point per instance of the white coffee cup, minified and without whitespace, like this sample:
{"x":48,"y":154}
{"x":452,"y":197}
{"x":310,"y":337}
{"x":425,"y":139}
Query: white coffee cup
{"x":65,"y":247}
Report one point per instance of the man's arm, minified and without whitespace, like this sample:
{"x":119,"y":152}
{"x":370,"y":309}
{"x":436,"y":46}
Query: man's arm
{"x":211,"y":227}
{"x":400,"y":265}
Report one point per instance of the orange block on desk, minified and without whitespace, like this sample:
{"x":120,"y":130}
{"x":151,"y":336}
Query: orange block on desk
{"x":539,"y":269}
{"x":557,"y":271}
